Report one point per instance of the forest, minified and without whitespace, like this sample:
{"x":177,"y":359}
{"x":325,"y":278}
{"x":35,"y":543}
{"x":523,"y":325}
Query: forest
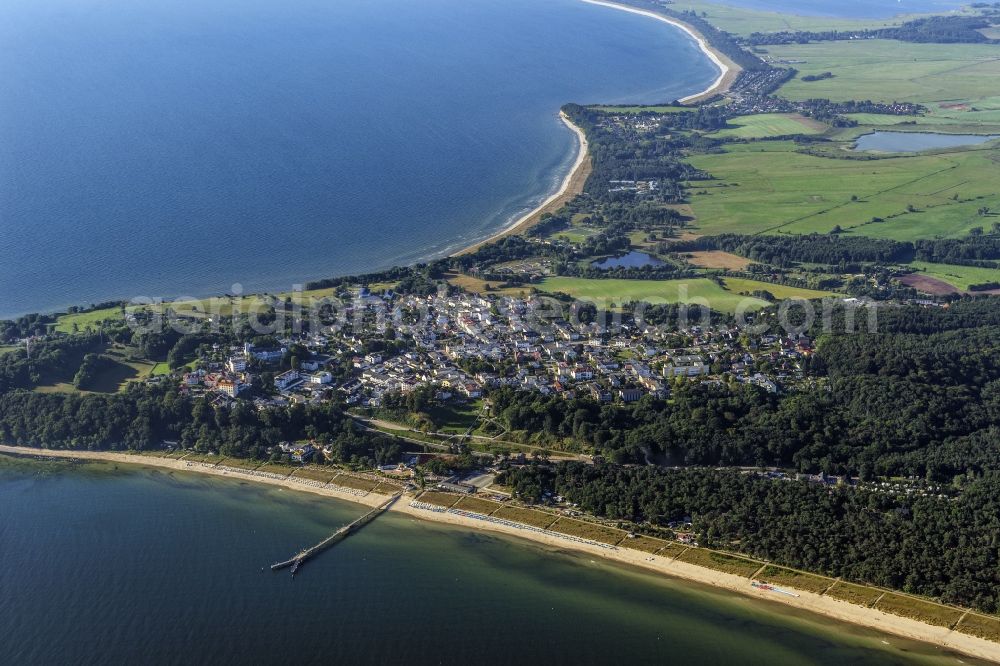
{"x":143,"y":417}
{"x":938,"y":546}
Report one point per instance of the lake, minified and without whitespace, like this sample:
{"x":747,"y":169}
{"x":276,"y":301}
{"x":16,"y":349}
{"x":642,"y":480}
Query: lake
{"x":913,"y":142}
{"x":136,"y":565}
{"x":633,"y":259}
{"x":172,"y":148}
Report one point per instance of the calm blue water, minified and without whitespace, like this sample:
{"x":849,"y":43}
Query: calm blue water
{"x":633,"y":259}
{"x":140,"y":566}
{"x":912,"y":142}
{"x":848,"y":8}
{"x":176,"y":147}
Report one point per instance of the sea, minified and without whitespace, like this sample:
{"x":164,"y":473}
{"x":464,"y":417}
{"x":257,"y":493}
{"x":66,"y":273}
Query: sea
{"x":171,"y":148}
{"x":105,"y":564}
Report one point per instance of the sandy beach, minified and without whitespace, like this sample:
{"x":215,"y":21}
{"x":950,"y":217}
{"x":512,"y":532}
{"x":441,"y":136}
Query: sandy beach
{"x":728,"y":70}
{"x":571,"y":186}
{"x":807,"y":601}
{"x":574,"y":181}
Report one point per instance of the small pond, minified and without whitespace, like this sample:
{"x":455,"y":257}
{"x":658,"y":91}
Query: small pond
{"x":633,"y":259}
{"x":913,"y":142}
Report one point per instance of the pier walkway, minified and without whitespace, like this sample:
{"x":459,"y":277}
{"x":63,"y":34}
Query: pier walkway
{"x":299,"y":559}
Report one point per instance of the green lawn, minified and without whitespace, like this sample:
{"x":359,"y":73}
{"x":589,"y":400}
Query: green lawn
{"x":772,"y":188}
{"x":886,"y":70}
{"x":770,"y":124}
{"x":779,"y":291}
{"x":160,"y":369}
{"x":87,"y":320}
{"x":606,"y":292}
{"x":959,"y":277}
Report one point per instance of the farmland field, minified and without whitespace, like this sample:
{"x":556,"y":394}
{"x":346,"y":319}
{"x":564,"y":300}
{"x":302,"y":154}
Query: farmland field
{"x":742,"y":21}
{"x":773,"y":188}
{"x":606,"y":292}
{"x":881,"y":70}
{"x":779,"y":291}
{"x":959,"y":277}
{"x":770,"y":124}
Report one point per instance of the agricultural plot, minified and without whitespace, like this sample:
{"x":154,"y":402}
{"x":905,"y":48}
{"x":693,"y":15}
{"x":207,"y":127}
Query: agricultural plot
{"x":717,"y":259}
{"x":795,"y":579}
{"x":779,"y":291}
{"x":924,"y":611}
{"x":604,"y":293}
{"x":590,"y":531}
{"x":742,"y":21}
{"x":879,"y":70}
{"x":959,"y":277}
{"x":719,"y":561}
{"x":775,"y":188}
{"x":477,"y":505}
{"x":531,"y":517}
{"x":766,"y":125}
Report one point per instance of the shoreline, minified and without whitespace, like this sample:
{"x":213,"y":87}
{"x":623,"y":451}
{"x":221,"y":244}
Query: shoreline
{"x":574,"y":181}
{"x":820,"y":605}
{"x":729,"y":70}
{"x":572,"y":184}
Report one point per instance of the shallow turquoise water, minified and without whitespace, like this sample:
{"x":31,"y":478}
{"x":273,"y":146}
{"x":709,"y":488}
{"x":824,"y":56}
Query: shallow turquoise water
{"x":175,"y":147}
{"x":136,"y":565}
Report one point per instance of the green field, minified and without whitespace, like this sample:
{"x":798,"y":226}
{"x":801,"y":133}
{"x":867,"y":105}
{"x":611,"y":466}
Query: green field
{"x":773,"y":188}
{"x":779,"y":291}
{"x":959,"y":277}
{"x":160,"y":369}
{"x":744,"y":21}
{"x":766,"y":125}
{"x":82,"y":321}
{"x":604,"y":293}
{"x":887,"y":71}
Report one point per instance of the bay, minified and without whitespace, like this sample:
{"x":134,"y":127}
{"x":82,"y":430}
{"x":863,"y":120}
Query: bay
{"x":172,"y":148}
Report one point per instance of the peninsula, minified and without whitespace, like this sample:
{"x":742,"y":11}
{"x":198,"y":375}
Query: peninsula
{"x":739,"y":345}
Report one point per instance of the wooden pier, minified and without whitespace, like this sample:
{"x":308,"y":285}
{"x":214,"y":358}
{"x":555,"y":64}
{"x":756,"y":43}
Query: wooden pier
{"x":299,"y":559}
